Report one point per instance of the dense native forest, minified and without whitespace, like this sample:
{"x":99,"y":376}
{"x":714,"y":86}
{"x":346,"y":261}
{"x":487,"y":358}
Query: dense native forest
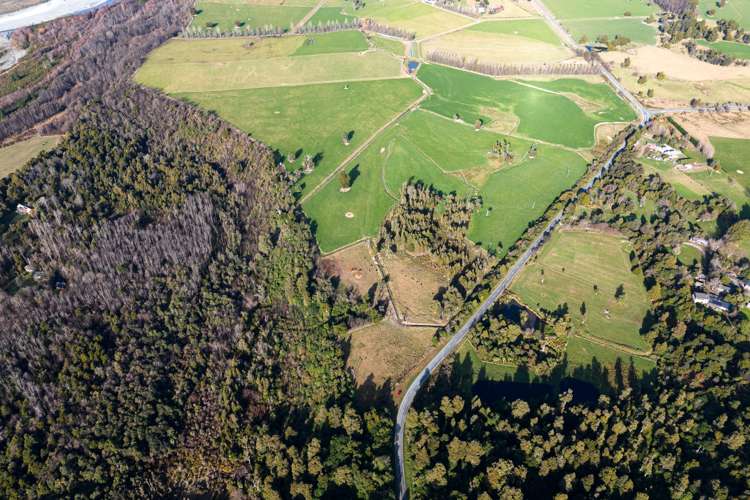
{"x":165,"y":329}
{"x":680,"y":434}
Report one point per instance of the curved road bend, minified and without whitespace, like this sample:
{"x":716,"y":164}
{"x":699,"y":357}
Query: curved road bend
{"x":501,"y":287}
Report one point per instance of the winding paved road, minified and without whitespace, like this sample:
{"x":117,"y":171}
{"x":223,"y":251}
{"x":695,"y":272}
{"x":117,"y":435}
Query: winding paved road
{"x":503,"y":285}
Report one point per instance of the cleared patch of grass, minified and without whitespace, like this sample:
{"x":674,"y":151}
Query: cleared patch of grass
{"x":734,"y":49}
{"x":313,"y":118}
{"x":567,"y":9}
{"x":328,"y":43}
{"x":16,"y":156}
{"x":690,"y":256}
{"x":544,"y":114}
{"x":634,"y":29}
{"x":228,"y":64}
{"x":565,"y":273}
{"x":225,"y":15}
{"x":582,"y":352}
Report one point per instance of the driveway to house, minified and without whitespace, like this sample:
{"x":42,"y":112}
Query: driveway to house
{"x":46,"y":12}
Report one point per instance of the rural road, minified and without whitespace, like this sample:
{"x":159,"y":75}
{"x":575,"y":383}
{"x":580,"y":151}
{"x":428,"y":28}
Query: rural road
{"x":501,"y":287}
{"x":46,"y":12}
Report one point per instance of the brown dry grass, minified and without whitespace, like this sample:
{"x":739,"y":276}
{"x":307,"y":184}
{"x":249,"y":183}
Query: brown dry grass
{"x":703,"y":126}
{"x":415,"y":281}
{"x":686,"y":77}
{"x":497,"y":48}
{"x":382,"y":356}
{"x":354,"y":265}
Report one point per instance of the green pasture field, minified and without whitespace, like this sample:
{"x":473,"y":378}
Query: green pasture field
{"x":685,"y":185}
{"x":690,"y":256}
{"x":723,"y":184}
{"x":229,"y":64}
{"x":572,"y":262}
{"x":393,"y":46}
{"x":635,"y":29}
{"x":16,"y":156}
{"x":411,"y":15}
{"x":312,"y":118}
{"x":329,"y":43}
{"x":734,"y":156}
{"x":453,"y":158}
{"x":739,"y":10}
{"x":544,"y":114}
{"x":330,"y":14}
{"x":250,"y":15}
{"x":535,"y":29}
{"x":570,"y":9}
{"x":734,"y":49}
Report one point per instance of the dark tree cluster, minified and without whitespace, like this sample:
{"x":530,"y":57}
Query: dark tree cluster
{"x":428,"y":221}
{"x":165,"y":328}
{"x":511,"y":334}
{"x":79,"y":58}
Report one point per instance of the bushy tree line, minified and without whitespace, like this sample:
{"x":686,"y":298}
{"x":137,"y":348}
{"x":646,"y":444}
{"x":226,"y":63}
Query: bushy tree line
{"x":372,"y":25}
{"x":178,"y":338}
{"x":428,"y":221}
{"x":216,"y":32}
{"x":495,"y":69}
{"x":82,"y":57}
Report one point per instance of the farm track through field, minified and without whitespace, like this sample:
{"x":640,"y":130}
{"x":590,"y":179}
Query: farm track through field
{"x":308,"y":16}
{"x":427,"y":92}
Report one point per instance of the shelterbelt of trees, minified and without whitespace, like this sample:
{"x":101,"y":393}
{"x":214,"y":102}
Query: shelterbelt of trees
{"x":682,"y":434}
{"x":165,"y":329}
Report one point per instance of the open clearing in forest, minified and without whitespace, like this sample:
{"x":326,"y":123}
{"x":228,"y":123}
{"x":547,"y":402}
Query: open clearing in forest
{"x":734,"y":9}
{"x":250,"y":14}
{"x":565,"y":273}
{"x":569,"y":9}
{"x":354,"y":265}
{"x":685,"y":185}
{"x":312,"y":119}
{"x":16,"y":156}
{"x":734,"y":49}
{"x":452,"y":157}
{"x":382,"y":356}
{"x":581,"y":356}
{"x":415,"y":281}
{"x":634,"y":29}
{"x":686,"y":77}
{"x":563,"y":111}
{"x":690,"y":256}
{"x":503,"y":42}
{"x":410,"y":15}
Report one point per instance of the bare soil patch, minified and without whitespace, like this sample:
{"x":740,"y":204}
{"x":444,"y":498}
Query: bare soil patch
{"x":355,"y":267}
{"x":414,"y":282}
